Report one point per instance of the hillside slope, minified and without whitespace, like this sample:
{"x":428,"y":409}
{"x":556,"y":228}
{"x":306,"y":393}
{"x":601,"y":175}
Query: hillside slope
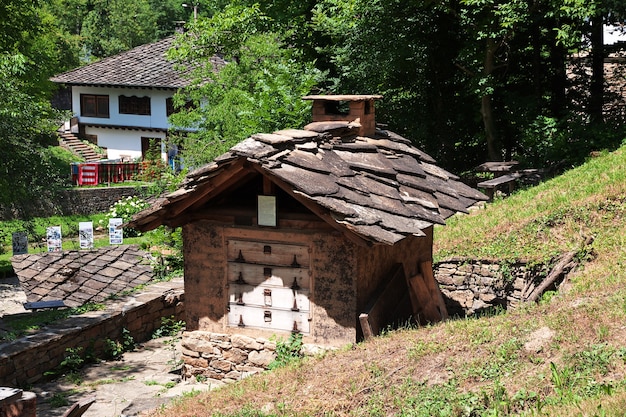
{"x":564,"y":356}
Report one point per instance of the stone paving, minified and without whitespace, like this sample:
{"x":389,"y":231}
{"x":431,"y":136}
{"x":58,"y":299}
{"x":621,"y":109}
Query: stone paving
{"x":79,"y":277}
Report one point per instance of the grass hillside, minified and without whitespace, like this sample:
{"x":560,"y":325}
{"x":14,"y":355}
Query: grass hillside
{"x":565,"y":356}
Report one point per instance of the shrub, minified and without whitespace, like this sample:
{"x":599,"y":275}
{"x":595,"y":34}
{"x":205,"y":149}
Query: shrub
{"x":125,"y":209}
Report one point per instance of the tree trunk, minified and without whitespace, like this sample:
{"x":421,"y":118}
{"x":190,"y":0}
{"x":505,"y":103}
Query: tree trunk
{"x":558,"y":75}
{"x":486,"y":107}
{"x":596,"y":98}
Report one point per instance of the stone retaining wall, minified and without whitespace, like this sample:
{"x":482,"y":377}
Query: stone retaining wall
{"x":84,"y":201}
{"x":471,"y":286}
{"x":76,"y":201}
{"x":229,"y":357}
{"x":25,"y":360}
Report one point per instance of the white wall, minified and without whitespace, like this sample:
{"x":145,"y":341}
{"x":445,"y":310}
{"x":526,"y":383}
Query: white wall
{"x":613,"y":35}
{"x":123,"y":143}
{"x":157,"y":118}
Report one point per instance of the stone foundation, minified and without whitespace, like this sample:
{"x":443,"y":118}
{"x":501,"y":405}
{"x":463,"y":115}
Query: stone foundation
{"x":225,"y":357}
{"x":471,"y":286}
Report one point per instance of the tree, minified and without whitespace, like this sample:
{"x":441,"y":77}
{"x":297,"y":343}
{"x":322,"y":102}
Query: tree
{"x":113,"y":26}
{"x":256,"y":88}
{"x":27,"y":126}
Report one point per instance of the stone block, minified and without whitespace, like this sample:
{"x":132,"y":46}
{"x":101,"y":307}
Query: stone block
{"x":200,"y":346}
{"x":196,"y":362}
{"x":221,"y":365}
{"x":245,"y":342}
{"x":234,"y":375}
{"x":236,"y":355}
{"x":261,"y":359}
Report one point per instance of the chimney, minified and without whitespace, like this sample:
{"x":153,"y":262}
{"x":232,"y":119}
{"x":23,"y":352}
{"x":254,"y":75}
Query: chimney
{"x":348,"y":108}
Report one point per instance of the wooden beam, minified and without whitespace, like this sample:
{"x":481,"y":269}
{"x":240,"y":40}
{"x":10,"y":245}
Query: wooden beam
{"x":382,"y":310}
{"x":205,"y":191}
{"x":366,"y":327}
{"x":268,"y":186}
{"x":426,"y":267}
{"x":428,"y":303}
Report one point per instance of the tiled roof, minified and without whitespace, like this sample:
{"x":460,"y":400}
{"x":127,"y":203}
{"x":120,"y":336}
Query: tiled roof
{"x":143,"y":66}
{"x":380,"y":188}
{"x":78,"y":277}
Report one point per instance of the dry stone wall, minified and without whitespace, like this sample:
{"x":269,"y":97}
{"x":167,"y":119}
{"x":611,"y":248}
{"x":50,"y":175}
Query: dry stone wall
{"x":230,"y":357}
{"x":225,"y":357}
{"x":473,"y":286}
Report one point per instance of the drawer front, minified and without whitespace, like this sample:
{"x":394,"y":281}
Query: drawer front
{"x":272,"y":319}
{"x":267,"y":253}
{"x":273,"y":276}
{"x":263,"y":297}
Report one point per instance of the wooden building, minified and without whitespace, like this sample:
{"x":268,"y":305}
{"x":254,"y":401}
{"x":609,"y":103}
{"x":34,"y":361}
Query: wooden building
{"x":326,"y":231}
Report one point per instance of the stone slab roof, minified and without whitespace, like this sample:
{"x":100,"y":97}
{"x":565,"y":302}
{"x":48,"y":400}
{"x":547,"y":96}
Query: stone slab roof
{"x":380,"y":188}
{"x":143,"y":66}
{"x":79,"y":277}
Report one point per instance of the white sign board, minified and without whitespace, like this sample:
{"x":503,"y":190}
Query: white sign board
{"x":116,"y":233}
{"x":85,"y":235}
{"x":54,"y":239}
{"x":267,"y":210}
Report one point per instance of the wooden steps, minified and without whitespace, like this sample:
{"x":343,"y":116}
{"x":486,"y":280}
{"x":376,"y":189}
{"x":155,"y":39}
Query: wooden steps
{"x":72,"y":143}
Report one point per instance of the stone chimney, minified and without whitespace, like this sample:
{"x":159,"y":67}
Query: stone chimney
{"x":350,"y":108}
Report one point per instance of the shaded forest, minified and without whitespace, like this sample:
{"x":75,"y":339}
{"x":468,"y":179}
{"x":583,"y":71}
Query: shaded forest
{"x":468,"y":81}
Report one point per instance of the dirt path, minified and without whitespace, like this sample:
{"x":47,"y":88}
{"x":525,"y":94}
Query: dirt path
{"x":144,"y":379}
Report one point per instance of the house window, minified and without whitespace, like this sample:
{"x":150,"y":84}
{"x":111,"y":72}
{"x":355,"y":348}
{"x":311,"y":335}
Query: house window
{"x":171,"y":109}
{"x":93,"y":105}
{"x":134,"y":105}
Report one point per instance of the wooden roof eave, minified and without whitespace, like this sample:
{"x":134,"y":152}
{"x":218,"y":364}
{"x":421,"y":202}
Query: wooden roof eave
{"x":171,"y":211}
{"x":319,"y":211}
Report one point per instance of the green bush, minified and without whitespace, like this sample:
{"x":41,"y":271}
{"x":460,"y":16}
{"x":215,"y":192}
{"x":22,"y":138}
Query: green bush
{"x":125,"y":209}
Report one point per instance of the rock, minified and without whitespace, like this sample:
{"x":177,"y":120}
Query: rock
{"x":245,"y":342}
{"x":236,"y":355}
{"x":221,"y":365}
{"x":538,"y":339}
{"x":263,"y":358}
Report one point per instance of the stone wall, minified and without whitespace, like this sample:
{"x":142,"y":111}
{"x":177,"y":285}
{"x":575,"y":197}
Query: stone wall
{"x":229,"y":357}
{"x":225,"y":357}
{"x":25,"y":360}
{"x":472,"y":286}
{"x":75,"y":201}
{"x":83,"y":201}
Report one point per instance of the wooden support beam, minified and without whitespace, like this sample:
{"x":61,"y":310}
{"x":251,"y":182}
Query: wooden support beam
{"x":427,"y":300}
{"x":382,"y":310}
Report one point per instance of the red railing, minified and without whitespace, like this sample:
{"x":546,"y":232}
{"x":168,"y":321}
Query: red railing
{"x":94,"y":173}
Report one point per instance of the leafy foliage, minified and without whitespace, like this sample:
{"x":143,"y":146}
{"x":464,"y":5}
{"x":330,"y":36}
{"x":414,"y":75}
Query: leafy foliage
{"x":125,"y":209}
{"x":26,"y":126}
{"x":258,"y":89}
{"x":287,"y":351}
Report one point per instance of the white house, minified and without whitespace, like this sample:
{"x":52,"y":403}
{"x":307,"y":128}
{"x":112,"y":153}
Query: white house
{"x":122,"y":103}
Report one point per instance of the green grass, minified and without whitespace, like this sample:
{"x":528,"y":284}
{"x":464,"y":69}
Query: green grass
{"x":22,"y":324}
{"x":484,"y":366}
